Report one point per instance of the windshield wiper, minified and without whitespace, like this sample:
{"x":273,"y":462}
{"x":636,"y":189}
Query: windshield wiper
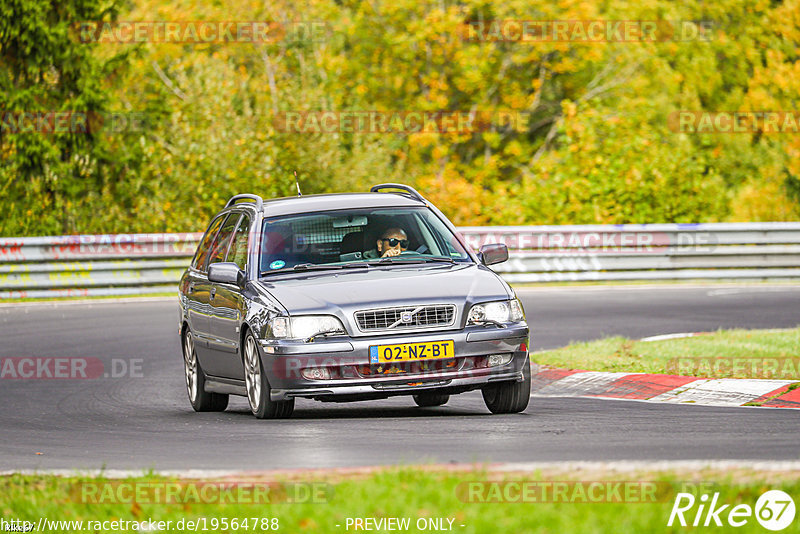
{"x":438,"y":259}
{"x":326,"y":266}
{"x":490,"y":322}
{"x":394,"y":260}
{"x":409,"y":261}
{"x":325,"y":333}
{"x":317,"y":267}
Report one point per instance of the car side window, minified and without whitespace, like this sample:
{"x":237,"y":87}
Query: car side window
{"x":202,"y":251}
{"x":221,"y":243}
{"x":238,"y":251}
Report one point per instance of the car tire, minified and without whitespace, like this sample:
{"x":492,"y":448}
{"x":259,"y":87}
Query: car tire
{"x":257,"y":385}
{"x":201,"y":400}
{"x":509,"y":397}
{"x":425,"y":400}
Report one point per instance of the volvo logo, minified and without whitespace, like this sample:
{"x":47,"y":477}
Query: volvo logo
{"x":406,"y":317}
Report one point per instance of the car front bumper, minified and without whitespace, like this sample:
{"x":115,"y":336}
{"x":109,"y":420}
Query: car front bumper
{"x":285,"y":360}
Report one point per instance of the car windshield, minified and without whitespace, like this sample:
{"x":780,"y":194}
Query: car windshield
{"x":357,"y":238}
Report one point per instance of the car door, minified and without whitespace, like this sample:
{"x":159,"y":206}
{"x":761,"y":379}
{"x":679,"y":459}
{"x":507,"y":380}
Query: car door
{"x":226,"y":303}
{"x":207,"y":351}
{"x":197,"y":291}
{"x":229,"y":306}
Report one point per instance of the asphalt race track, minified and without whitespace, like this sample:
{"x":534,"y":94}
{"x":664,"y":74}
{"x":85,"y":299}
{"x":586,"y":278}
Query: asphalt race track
{"x":145,"y":421}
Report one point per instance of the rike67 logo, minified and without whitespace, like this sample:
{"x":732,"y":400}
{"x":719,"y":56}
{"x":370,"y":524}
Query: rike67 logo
{"x":774,"y":510}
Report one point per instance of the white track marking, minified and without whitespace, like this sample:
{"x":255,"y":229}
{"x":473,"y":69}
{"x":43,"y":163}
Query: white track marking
{"x":721,"y":391}
{"x":579,"y":384}
{"x":663,"y":337}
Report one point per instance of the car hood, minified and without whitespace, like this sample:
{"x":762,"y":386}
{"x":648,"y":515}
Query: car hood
{"x":344,"y":292}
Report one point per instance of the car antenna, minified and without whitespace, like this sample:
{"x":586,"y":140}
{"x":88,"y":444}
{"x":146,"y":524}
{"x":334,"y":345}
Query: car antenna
{"x":297,"y":183}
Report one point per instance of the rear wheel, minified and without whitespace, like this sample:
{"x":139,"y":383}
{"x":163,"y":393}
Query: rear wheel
{"x":201,"y":400}
{"x":431,"y":399}
{"x":509,"y":397}
{"x":258,"y":386}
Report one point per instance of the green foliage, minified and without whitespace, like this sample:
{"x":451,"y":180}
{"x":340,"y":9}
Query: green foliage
{"x":45,"y":176}
{"x":594,"y":146}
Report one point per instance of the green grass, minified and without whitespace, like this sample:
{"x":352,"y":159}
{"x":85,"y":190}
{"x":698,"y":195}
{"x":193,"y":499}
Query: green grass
{"x":413,"y":493}
{"x":722,"y":354}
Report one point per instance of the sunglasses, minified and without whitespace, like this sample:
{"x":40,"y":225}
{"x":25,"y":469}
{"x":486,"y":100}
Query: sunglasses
{"x":393,"y":242}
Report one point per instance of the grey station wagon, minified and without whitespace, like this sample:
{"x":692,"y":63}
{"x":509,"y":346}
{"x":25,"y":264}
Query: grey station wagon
{"x":346,"y":297}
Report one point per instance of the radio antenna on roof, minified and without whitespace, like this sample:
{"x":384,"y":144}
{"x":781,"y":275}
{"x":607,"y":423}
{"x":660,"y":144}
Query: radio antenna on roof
{"x":297,"y":183}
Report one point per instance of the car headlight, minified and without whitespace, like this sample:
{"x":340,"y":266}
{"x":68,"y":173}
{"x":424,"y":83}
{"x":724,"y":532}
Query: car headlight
{"x":503,"y":311}
{"x":305,"y":326}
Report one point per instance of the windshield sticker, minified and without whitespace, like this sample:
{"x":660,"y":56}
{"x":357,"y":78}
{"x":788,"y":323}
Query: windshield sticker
{"x":277,"y":264}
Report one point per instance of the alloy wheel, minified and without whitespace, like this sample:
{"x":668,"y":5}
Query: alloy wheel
{"x":190,"y":366}
{"x":252,"y":374}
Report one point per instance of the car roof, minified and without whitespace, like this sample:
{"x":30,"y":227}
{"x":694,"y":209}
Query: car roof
{"x":331,"y":201}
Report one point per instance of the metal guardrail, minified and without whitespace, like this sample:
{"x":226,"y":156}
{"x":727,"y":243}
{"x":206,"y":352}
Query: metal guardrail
{"x":93,"y":265}
{"x":720,"y":251}
{"x":129,"y":264}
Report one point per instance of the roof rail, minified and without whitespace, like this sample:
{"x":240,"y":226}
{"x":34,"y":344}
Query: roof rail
{"x":407,"y":190}
{"x":246,"y":196}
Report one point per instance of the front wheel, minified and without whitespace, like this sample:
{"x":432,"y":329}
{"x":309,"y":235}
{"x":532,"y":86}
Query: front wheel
{"x":509,"y":397}
{"x":201,"y":400}
{"x":426,"y":400}
{"x":258,"y":386}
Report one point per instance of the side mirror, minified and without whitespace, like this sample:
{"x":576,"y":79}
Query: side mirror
{"x":226,"y":273}
{"x":494,"y":253}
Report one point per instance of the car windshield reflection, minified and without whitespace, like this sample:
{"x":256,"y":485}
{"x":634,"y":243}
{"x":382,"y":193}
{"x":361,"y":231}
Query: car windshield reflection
{"x":354,"y":238}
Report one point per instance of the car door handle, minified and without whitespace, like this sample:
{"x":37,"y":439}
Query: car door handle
{"x":213,"y":292}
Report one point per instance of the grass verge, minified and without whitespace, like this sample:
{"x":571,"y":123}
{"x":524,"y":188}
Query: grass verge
{"x":721,"y":354}
{"x":414,"y":493}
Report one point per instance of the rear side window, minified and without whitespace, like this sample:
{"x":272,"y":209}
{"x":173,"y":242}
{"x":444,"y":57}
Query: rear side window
{"x":223,"y":240}
{"x":238,"y":251}
{"x":202,"y":251}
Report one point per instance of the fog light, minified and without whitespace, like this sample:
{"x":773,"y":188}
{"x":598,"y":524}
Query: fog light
{"x":499,"y":359}
{"x":316,"y":373}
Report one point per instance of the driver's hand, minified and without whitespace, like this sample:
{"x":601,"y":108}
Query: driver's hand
{"x":391,"y":252}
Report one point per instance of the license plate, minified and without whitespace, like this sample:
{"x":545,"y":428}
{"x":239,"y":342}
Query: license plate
{"x":404,"y":352}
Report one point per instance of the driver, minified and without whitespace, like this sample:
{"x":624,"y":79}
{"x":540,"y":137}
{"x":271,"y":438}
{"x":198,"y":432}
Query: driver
{"x":392,"y":242}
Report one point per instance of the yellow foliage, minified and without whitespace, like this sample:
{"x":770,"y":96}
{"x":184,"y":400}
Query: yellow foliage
{"x":463,"y":202}
{"x":759,"y":201}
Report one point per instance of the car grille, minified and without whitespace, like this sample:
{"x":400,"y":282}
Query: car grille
{"x":415,"y":317}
